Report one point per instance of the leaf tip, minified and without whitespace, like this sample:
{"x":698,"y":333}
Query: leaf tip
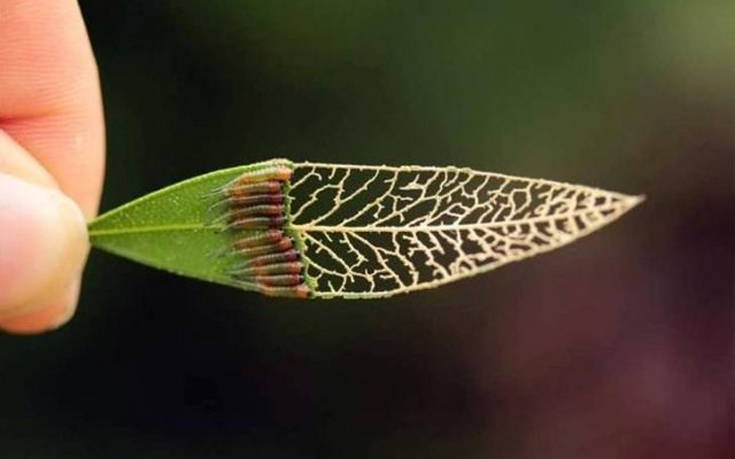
{"x":633,"y":201}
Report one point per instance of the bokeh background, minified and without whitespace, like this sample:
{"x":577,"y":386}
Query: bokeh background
{"x":619,"y":346}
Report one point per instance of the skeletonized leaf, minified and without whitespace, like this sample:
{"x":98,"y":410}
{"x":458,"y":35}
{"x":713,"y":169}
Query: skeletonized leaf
{"x":328,"y":230}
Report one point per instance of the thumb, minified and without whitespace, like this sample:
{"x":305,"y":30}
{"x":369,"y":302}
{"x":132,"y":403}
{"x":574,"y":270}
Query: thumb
{"x":43,"y":247}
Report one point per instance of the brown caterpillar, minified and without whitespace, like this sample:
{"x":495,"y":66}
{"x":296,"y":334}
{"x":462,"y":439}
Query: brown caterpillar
{"x":284,"y":280}
{"x":254,"y":200}
{"x":277,"y":172}
{"x":297,"y":291}
{"x":279,"y":246}
{"x":267,"y":237}
{"x":250,"y":189}
{"x":293,"y":267}
{"x":259,"y":211}
{"x":263,"y":260}
{"x":257,"y":222}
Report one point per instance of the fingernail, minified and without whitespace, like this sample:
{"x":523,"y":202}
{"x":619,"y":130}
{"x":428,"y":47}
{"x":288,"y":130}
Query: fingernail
{"x":43,"y":245}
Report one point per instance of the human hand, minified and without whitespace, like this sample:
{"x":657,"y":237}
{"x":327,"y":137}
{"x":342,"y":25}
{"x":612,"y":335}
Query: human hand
{"x":51,"y":160}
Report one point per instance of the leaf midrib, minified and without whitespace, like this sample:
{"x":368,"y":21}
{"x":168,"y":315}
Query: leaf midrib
{"x":621,"y":207}
{"x":390,"y":229}
{"x":152,"y":229}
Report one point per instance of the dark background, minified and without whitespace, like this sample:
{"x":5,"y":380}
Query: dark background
{"x":619,"y":346}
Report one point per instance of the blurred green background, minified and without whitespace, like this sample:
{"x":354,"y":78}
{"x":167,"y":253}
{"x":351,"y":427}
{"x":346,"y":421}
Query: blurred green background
{"x":617,"y":346}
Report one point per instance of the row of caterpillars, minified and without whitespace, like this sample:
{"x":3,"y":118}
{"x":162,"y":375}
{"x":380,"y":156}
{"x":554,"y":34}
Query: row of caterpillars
{"x":270,"y":262}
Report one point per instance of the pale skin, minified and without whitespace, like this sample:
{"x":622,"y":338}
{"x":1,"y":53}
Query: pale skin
{"x":52,"y":150}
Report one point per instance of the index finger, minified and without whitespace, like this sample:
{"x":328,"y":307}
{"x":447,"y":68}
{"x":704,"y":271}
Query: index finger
{"x":50,"y":99}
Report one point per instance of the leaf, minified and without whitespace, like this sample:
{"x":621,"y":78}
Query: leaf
{"x":329,"y":230}
{"x":171,"y":229}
